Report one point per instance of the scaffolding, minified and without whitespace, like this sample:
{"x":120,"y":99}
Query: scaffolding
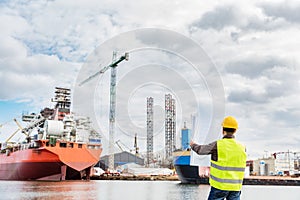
{"x":149,"y":130}
{"x":170,"y":126}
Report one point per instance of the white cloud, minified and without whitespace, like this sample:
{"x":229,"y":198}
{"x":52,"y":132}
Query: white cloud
{"x":44,"y":43}
{"x":287,"y":10}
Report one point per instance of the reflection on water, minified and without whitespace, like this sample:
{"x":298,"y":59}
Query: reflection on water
{"x":123,"y":190}
{"x":47,"y":190}
{"x":108,"y":190}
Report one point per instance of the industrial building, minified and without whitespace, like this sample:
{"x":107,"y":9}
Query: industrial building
{"x":285,"y":164}
{"x":120,"y":159}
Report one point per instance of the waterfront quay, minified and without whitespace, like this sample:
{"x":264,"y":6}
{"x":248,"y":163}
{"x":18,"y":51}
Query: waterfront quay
{"x":251,"y":180}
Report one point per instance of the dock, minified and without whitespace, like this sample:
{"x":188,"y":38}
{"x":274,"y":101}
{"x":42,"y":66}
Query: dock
{"x":263,"y":180}
{"x":251,"y":180}
{"x":137,"y":178}
{"x":272,"y":180}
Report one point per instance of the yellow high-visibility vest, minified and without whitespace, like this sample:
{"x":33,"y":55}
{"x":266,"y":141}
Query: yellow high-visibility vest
{"x":228,"y":172}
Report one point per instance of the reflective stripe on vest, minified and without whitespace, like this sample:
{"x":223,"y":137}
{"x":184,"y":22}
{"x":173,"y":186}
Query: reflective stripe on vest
{"x":228,"y":172}
{"x":239,"y":169}
{"x":226,"y":180}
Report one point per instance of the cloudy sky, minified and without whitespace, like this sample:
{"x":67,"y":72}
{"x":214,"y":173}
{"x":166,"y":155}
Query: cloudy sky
{"x":254,"y":46}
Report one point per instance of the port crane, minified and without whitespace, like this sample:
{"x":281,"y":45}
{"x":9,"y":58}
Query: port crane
{"x":112,"y":110}
{"x":1,"y":125}
{"x":135,"y":149}
{"x":25,"y":130}
{"x":20,"y":128}
{"x":119,"y":143}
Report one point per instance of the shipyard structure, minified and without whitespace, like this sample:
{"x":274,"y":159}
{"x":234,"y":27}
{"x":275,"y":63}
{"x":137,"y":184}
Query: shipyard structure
{"x":165,"y":158}
{"x":151,"y":158}
{"x":149,"y":131}
{"x":170,"y":126}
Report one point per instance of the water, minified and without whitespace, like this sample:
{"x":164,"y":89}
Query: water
{"x":132,"y":190}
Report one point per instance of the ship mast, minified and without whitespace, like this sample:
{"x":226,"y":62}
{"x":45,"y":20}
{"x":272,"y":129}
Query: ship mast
{"x":63,"y":102}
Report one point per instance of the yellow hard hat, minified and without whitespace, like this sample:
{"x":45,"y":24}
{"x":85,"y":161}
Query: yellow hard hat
{"x":230,"y":122}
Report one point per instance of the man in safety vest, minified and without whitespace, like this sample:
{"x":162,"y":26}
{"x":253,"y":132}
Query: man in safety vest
{"x":228,"y":163}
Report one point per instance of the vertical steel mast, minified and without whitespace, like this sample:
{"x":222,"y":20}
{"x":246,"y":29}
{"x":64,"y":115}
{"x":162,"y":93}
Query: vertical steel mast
{"x":112,"y":111}
{"x":170,"y":126}
{"x":149,"y":130}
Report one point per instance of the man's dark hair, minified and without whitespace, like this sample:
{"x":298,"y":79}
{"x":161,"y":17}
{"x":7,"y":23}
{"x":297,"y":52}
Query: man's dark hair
{"x":229,"y":131}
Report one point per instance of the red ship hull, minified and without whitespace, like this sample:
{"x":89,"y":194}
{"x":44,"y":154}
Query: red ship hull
{"x":62,"y":161}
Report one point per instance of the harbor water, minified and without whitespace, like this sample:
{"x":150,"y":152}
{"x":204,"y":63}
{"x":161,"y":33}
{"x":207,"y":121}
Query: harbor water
{"x":123,"y":190}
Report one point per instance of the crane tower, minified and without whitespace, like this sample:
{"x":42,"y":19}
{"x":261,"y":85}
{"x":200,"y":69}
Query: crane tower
{"x":112,"y":110}
{"x":149,"y":130}
{"x":170,"y":125}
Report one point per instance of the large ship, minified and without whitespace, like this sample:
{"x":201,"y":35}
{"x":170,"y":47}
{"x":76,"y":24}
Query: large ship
{"x":58,"y":145}
{"x":188,"y":173}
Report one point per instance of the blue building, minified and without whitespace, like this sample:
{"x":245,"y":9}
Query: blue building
{"x":185,"y":138}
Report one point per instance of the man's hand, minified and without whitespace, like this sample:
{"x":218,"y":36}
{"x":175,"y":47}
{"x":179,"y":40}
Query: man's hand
{"x":192,"y":142}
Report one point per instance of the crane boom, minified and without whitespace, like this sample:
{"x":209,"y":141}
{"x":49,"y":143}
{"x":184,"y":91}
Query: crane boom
{"x":117,"y":142}
{"x":12,"y":135}
{"x":18,"y":124}
{"x":20,"y":128}
{"x":104,"y":69}
{"x":89,"y":78}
